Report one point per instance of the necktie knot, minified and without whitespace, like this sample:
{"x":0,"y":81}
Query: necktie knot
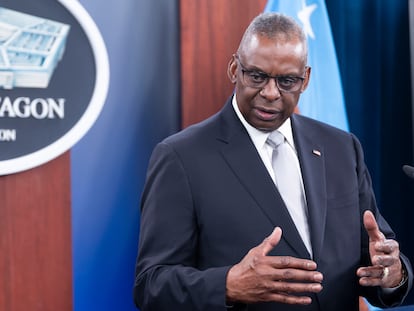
{"x":275,"y":139}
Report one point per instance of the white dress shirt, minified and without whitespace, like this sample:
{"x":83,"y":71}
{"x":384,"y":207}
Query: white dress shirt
{"x":265,"y":152}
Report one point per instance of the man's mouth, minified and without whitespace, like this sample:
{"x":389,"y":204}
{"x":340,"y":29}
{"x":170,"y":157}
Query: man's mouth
{"x":266,"y":114}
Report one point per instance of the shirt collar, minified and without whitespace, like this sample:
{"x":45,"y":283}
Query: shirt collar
{"x":259,"y":137}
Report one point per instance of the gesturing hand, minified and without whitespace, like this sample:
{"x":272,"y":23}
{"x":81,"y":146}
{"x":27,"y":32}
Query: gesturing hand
{"x":385,"y":257}
{"x":260,"y":278}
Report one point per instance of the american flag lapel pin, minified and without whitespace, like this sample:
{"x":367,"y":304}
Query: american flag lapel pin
{"x":316,"y":152}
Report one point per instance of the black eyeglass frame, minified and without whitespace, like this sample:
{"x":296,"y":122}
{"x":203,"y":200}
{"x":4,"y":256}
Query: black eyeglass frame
{"x":266,"y":77}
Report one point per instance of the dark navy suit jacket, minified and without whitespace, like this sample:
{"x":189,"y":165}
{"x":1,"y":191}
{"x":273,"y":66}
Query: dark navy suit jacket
{"x":209,"y":199}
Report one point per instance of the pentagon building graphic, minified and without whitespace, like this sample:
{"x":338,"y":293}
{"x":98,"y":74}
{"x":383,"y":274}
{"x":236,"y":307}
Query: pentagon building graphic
{"x":30,"y":49}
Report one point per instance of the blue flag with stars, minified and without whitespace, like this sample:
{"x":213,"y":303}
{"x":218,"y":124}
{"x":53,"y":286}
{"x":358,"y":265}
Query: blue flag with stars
{"x":323,"y":100}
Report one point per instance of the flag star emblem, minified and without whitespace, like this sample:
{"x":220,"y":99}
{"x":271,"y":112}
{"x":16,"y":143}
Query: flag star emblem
{"x":304,"y":16}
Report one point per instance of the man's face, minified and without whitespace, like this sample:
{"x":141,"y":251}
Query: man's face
{"x":267,"y":107}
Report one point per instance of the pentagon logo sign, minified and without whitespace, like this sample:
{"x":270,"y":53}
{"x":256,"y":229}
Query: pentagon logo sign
{"x":54,"y":78}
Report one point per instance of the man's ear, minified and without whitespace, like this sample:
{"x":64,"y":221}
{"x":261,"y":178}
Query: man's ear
{"x":307,"y":78}
{"x":232,"y":70}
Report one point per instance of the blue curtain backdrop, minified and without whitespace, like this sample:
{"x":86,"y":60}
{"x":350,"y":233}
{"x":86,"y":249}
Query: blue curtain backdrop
{"x":372,"y":44}
{"x":109,"y":163}
{"x":143,"y":106}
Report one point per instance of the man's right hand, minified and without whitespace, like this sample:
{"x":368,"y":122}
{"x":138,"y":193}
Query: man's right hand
{"x":261,"y":278}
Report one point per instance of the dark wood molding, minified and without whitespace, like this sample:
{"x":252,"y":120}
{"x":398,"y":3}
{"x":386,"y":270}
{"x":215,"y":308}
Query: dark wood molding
{"x":210,"y":33}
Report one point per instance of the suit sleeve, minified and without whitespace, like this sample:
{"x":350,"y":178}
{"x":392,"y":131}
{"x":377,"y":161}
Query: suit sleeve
{"x":375,"y":295}
{"x":167,"y":277}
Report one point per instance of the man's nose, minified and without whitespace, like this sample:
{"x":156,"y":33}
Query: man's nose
{"x":270,"y":90}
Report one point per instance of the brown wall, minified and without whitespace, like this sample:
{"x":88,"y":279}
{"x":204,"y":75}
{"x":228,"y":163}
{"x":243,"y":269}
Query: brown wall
{"x":210,"y":33}
{"x":35,"y":239}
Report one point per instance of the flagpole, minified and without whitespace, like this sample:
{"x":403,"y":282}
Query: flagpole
{"x":411,"y":23}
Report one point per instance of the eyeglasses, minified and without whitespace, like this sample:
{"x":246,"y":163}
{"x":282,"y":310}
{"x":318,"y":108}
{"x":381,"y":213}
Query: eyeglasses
{"x":258,"y":80}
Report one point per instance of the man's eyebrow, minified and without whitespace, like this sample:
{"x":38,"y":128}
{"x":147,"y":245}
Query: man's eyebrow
{"x":255,"y":69}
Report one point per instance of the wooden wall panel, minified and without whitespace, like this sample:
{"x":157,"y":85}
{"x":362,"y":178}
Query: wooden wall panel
{"x":35,"y":239}
{"x":210,"y":33}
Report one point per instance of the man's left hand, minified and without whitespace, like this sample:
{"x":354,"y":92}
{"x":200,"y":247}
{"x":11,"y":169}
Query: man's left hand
{"x":385,"y":257}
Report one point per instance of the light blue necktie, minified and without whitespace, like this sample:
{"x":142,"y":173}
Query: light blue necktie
{"x":288,"y":182}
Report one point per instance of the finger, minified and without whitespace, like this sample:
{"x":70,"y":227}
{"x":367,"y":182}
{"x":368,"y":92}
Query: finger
{"x":290,"y":299}
{"x":296,"y":288}
{"x":371,"y":276}
{"x":271,"y":241}
{"x":384,"y":260}
{"x":291,"y":293}
{"x":287,"y":263}
{"x":373,"y":272}
{"x":298,"y":275}
{"x":371,"y":226}
{"x":388,"y":246}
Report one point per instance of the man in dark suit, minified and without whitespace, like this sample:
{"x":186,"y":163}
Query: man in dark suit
{"x":218,"y":232}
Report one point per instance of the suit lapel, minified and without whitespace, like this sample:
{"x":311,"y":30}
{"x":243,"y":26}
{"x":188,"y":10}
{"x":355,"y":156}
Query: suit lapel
{"x":243,"y":159}
{"x":311,"y":157}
